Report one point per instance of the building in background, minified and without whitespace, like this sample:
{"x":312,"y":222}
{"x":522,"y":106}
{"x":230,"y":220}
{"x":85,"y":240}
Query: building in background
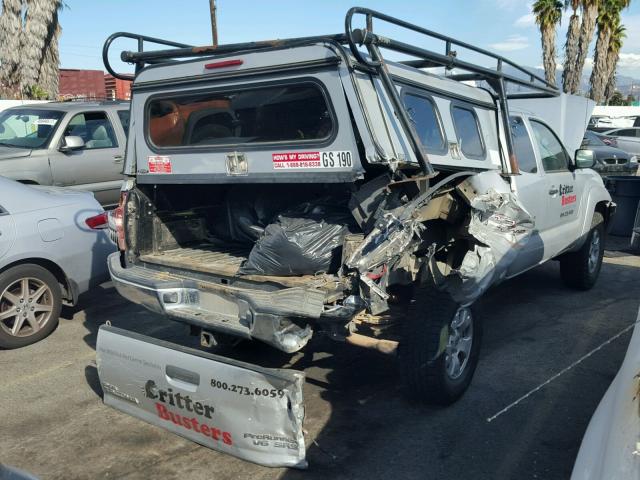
{"x":92,"y":84}
{"x":116,"y":88}
{"x":81,"y":84}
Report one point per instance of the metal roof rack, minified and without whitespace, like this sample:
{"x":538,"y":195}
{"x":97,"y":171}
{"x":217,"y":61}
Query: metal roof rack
{"x":495,"y":76}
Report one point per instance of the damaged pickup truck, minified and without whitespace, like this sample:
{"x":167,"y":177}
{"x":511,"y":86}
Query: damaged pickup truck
{"x":279,"y":190}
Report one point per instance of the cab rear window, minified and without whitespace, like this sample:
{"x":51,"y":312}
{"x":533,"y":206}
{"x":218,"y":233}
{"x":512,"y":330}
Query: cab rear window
{"x":246,"y":115}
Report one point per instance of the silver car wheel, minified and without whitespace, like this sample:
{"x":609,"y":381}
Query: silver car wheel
{"x":459,"y":343}
{"x":26,"y":306}
{"x":594,"y":251}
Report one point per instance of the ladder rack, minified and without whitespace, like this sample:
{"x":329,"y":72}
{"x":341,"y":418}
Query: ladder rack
{"x":356,"y":38}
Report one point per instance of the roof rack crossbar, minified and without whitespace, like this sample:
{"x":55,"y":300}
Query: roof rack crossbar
{"x":448,"y":60}
{"x":141,"y":39}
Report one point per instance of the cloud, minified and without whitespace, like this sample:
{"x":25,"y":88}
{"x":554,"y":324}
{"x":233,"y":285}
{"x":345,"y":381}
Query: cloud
{"x":528,"y":20}
{"x":525,"y":21}
{"x":513,"y":42}
{"x":629,"y":60}
{"x":508,"y":4}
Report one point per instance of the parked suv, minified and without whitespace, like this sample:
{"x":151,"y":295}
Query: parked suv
{"x":277,"y":190}
{"x":71,"y":144}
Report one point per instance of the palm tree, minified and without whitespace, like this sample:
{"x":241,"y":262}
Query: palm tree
{"x":10,"y":28}
{"x":571,"y":45}
{"x":587,"y":29}
{"x":548,"y":13}
{"x":608,"y":20}
{"x":615,"y":44}
{"x":39,"y":46}
{"x":49,"y":67}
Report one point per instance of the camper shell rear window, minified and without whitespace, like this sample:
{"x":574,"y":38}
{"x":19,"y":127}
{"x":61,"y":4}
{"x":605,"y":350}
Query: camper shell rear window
{"x":292,"y":113}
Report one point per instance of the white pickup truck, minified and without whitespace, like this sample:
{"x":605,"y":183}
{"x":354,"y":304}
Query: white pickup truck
{"x":279,"y":190}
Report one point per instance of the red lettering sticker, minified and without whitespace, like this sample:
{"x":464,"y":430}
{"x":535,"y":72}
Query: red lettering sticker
{"x":567,"y":199}
{"x":159,"y":164}
{"x":336,"y":160}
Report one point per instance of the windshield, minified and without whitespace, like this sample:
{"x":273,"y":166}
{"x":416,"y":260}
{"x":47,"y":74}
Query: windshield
{"x":28,"y":127}
{"x":592,"y":139}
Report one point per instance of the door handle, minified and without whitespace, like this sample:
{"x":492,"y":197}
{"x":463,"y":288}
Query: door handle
{"x":553,"y":191}
{"x":118,"y":158}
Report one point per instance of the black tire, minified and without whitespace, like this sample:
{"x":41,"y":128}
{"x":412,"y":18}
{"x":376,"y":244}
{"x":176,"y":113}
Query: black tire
{"x":423,"y":354}
{"x":580,"y":269}
{"x":45,"y":310}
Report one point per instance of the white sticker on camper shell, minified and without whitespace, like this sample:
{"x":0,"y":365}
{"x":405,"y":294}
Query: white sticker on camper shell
{"x":338,"y":159}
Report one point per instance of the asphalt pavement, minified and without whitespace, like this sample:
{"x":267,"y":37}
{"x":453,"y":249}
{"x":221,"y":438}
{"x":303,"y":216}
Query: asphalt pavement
{"x":359,"y":425}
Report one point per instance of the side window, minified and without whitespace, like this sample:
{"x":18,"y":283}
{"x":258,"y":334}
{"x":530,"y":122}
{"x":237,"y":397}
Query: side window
{"x":522,"y":146}
{"x":554,"y":158}
{"x":94,"y":128}
{"x":123,"y":115}
{"x":422,"y":112}
{"x":468,"y":132}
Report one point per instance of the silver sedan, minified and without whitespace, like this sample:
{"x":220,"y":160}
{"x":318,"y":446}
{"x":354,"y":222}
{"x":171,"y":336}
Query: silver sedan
{"x":53,"y":247}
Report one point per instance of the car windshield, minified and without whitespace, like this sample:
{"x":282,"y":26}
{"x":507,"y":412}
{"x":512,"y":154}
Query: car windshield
{"x":28,"y":127}
{"x":592,"y":139}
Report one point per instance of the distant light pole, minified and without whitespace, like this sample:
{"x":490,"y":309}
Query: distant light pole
{"x":214,"y":23}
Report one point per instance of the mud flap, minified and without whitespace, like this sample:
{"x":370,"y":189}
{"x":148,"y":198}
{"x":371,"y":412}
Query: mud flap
{"x":244,"y":410}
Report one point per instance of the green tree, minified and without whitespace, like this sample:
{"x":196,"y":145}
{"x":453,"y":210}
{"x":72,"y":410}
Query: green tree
{"x":617,"y":99}
{"x":608,"y":20}
{"x":548,"y":14}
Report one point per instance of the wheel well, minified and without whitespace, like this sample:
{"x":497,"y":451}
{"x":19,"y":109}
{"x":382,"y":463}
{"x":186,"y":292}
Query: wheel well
{"x":56,"y":271}
{"x":602,"y":208}
{"x":28,"y":182}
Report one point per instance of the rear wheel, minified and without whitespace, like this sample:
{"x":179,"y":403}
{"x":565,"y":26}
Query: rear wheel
{"x":30,"y":302}
{"x":580,"y":269}
{"x":440,"y":347}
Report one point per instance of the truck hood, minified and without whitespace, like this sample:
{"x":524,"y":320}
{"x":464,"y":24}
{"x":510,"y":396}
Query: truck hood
{"x":10,"y":152}
{"x":567,"y":115}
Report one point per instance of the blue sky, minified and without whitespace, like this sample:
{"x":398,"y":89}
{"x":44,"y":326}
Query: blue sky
{"x":504,"y":26}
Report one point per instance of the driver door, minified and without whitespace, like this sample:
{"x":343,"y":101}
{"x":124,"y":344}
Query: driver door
{"x":561,"y":193}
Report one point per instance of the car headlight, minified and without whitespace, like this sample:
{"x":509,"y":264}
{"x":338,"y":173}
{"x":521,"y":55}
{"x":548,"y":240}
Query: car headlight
{"x":633,"y":159}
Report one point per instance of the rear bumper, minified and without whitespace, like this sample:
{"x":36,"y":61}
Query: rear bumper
{"x":265,"y":315}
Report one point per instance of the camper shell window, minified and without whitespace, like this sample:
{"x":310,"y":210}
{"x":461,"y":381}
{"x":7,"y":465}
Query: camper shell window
{"x":465,"y":122}
{"x":243,"y":115}
{"x":426,"y":120}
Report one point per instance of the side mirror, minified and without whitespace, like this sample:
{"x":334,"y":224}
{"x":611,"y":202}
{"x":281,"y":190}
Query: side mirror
{"x":72,"y":143}
{"x":585,"y":158}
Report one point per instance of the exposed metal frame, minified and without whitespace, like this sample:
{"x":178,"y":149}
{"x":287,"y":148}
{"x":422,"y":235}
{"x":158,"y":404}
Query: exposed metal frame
{"x":496,"y":77}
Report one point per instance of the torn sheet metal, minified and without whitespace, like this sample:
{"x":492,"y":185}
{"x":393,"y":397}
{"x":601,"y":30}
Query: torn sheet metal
{"x":503,"y":227}
{"x":250,"y":412}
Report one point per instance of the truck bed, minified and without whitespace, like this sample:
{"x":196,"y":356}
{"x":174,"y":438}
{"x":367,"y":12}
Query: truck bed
{"x":206,"y":258}
{"x":225,"y":261}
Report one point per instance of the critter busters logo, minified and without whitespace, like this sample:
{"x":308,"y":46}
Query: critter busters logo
{"x":565,"y":198}
{"x":165,"y":398}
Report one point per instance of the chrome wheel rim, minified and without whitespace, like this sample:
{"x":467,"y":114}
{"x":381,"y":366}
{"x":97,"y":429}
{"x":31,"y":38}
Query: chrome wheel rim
{"x":26,"y":306}
{"x":594,"y":251}
{"x":459,"y":343}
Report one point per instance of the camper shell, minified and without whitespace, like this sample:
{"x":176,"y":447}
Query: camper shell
{"x":231,"y":146}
